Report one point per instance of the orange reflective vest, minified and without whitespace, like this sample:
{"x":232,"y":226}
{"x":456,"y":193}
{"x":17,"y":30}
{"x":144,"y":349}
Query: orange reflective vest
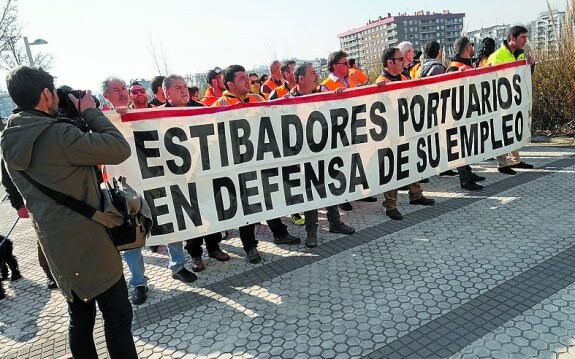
{"x":209,"y":97}
{"x":280,"y":91}
{"x":333,"y":85}
{"x":357,"y":77}
{"x":229,"y":99}
{"x":382,"y":78}
{"x":460,"y":65}
{"x":268,"y":85}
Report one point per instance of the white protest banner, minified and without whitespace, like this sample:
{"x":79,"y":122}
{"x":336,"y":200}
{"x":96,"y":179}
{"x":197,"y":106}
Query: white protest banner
{"x":204,"y":170}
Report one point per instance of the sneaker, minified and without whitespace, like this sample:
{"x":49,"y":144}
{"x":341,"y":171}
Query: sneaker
{"x":506,"y":170}
{"x":394,"y":214}
{"x":198,"y":265}
{"x":139,"y":295}
{"x":311,"y":240}
{"x":472,"y":186}
{"x":424,"y":201}
{"x":448,"y":173}
{"x":477,"y":178}
{"x":286,"y":238}
{"x":340,"y":227}
{"x":297,"y":219}
{"x":219,"y":255}
{"x":185,"y":276}
{"x":368,"y":199}
{"x":253,"y":256}
{"x":346,"y":206}
{"x":522,"y":165}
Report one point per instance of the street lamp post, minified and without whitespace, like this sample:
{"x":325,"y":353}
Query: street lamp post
{"x":28,"y":44}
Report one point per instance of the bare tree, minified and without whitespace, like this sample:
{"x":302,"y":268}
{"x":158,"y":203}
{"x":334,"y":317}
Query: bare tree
{"x":160,"y":59}
{"x":12,"y":53}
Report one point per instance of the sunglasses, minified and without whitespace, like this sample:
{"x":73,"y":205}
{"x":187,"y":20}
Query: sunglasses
{"x":217,"y":70}
{"x":397,"y":58}
{"x":137,"y":91}
{"x":253,"y":82}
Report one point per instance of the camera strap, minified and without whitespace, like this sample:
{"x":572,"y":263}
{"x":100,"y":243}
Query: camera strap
{"x":62,"y":198}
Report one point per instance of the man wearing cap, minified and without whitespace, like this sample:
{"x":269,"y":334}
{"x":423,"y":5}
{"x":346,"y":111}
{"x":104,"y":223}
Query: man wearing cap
{"x":462,"y":61}
{"x":216,"y":89}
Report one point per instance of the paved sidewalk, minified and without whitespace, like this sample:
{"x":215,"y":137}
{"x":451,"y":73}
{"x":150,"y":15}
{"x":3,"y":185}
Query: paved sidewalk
{"x":487,"y":274}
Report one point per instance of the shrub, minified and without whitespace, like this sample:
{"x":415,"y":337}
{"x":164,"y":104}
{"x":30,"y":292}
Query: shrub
{"x":554,"y":82}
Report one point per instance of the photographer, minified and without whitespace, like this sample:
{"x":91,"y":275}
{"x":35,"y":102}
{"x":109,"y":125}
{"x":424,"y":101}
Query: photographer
{"x":79,"y":251}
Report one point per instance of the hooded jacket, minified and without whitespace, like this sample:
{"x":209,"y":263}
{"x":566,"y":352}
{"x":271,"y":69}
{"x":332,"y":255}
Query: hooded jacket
{"x":80,"y":253}
{"x":431,"y":67}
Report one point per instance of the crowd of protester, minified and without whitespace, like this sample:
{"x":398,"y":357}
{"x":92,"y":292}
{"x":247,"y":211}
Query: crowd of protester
{"x":234,"y":85}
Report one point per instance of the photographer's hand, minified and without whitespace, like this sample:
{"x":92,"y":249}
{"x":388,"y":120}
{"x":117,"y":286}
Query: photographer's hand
{"x":84,"y":103}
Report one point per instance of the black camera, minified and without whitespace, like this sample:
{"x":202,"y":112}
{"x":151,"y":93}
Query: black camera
{"x":67,"y":109}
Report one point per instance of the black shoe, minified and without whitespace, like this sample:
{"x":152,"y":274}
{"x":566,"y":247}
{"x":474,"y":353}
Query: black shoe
{"x":346,"y":206}
{"x":506,"y":170}
{"x":448,"y":173}
{"x":185,"y":276}
{"x":139,"y":295}
{"x":15,"y":276}
{"x":394,"y":214}
{"x":477,"y":178}
{"x":425,"y":180}
{"x":154,"y":249}
{"x":286,"y":238}
{"x":368,"y":199}
{"x":522,"y":165}
{"x":472,"y":186}
{"x":51,"y":284}
{"x":253,"y":256}
{"x":424,"y":201}
{"x":340,"y":227}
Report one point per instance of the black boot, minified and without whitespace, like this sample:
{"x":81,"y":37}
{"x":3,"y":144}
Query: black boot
{"x":50,"y":282}
{"x":13,"y":264}
{"x":4,"y":271}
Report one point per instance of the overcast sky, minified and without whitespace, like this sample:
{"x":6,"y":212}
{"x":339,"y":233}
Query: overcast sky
{"x":91,"y":40}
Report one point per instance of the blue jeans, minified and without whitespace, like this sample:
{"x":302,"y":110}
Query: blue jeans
{"x":177,"y":257}
{"x":117,"y":313}
{"x":135,"y":261}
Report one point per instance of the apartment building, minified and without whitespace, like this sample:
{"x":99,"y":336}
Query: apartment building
{"x":546,"y":30}
{"x":366,"y":43}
